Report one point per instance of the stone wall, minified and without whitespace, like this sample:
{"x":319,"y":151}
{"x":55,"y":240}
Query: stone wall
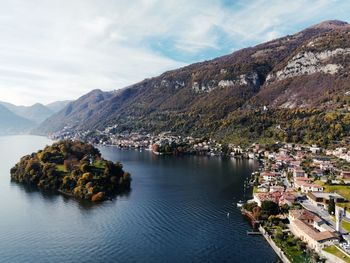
{"x":277,"y":250}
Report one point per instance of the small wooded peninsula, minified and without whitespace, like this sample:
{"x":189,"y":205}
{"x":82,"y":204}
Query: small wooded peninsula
{"x":73,"y":168}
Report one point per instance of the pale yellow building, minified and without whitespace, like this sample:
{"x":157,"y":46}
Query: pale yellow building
{"x":311,"y":229}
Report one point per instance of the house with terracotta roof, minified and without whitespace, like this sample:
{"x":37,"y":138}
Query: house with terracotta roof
{"x":270,"y":176}
{"x":287,"y":198}
{"x":311,"y":229}
{"x":345,"y":174}
{"x":283,"y":159}
{"x":310,"y":187}
{"x":261,"y":197}
{"x":277,"y":188}
{"x":280,"y":198}
{"x":295,"y":163}
{"x":305,"y":185}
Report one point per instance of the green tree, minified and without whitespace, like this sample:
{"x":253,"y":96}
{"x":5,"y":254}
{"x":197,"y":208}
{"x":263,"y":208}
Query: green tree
{"x":269,"y":208}
{"x":331,"y":207}
{"x":250,"y":206}
{"x":85,"y":168}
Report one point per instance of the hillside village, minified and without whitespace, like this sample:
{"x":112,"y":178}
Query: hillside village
{"x":311,"y":187}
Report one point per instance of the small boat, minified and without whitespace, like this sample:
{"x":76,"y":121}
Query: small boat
{"x":240,"y":203}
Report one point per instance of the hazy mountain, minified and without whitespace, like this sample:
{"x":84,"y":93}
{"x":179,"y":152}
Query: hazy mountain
{"x":37,"y":112}
{"x":307,"y":70}
{"x":81,"y":109}
{"x":57,"y":105}
{"x":11,"y":123}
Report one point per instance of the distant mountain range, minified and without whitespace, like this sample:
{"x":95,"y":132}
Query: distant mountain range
{"x":11,"y":123}
{"x":21,"y":119}
{"x":282,"y":89}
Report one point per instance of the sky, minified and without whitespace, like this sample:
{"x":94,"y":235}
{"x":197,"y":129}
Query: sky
{"x":57,"y":50}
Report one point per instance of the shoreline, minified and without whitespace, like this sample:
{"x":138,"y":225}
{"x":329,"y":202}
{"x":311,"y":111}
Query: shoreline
{"x":279,"y":252}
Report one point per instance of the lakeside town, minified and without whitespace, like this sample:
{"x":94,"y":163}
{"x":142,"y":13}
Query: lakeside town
{"x":163,"y":143}
{"x":300,"y":202}
{"x":300,"y":193}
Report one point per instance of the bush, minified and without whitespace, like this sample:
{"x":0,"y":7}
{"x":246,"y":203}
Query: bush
{"x":249,"y":206}
{"x":269,"y":208}
{"x":98,"y":197}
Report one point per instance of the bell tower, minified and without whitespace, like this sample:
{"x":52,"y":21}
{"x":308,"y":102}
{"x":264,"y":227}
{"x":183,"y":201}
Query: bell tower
{"x":338,"y":218}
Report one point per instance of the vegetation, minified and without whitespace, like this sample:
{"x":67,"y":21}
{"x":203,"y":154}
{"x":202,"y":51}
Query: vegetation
{"x":341,"y":189}
{"x":249,"y":206}
{"x":310,"y":108}
{"x":331,"y":207}
{"x":345,"y":225}
{"x":294,"y":248}
{"x":336,"y":252}
{"x":269,"y":208}
{"x":73,"y":168}
{"x":311,"y":126}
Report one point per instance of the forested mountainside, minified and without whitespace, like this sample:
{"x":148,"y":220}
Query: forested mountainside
{"x":292,"y":88}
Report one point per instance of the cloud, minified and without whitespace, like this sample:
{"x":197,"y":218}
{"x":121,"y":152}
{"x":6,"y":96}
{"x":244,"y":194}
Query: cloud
{"x":52,"y":50}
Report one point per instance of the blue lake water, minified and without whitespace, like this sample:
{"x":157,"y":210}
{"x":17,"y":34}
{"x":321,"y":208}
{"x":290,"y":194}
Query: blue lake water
{"x":176,"y":212}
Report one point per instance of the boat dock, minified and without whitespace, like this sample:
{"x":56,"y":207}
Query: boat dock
{"x":257,"y":233}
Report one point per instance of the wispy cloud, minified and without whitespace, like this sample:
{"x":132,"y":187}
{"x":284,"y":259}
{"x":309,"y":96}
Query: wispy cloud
{"x":51,"y":50}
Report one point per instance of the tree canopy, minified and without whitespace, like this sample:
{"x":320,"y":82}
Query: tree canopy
{"x":74,"y":168}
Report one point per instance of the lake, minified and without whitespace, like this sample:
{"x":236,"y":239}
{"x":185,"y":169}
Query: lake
{"x":177,"y":211}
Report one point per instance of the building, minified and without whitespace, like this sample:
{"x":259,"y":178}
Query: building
{"x":277,"y":188}
{"x":261,"y":197}
{"x":315,"y":150}
{"x":317,"y":172}
{"x":318,"y":160}
{"x":311,"y":229}
{"x":322,"y":198}
{"x":287,"y":198}
{"x":298,"y":172}
{"x":280,"y":198}
{"x":269,"y":176}
{"x":307,"y":187}
{"x":326,"y":166}
{"x":263,"y":188}
{"x":345,"y":174}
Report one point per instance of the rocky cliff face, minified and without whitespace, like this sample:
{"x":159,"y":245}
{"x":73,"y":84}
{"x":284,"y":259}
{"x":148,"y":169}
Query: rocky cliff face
{"x":308,"y":63}
{"x":304,"y":70}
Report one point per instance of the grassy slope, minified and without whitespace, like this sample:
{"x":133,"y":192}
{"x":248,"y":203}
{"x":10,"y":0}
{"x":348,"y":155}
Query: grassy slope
{"x":336,"y":252}
{"x":343,"y":190}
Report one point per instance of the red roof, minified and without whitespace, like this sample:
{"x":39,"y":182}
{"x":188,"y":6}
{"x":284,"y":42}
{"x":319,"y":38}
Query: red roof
{"x":269,"y":174}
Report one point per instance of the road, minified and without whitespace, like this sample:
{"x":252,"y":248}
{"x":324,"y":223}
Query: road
{"x":321,"y":212}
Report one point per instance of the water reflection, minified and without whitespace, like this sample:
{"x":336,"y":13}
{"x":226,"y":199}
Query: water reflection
{"x":176,"y":212}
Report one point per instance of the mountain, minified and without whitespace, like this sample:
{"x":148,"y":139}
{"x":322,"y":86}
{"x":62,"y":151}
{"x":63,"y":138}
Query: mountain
{"x":57,"y":105}
{"x":11,"y":123}
{"x":37,"y":112}
{"x":81,"y":109}
{"x":300,"y":79}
